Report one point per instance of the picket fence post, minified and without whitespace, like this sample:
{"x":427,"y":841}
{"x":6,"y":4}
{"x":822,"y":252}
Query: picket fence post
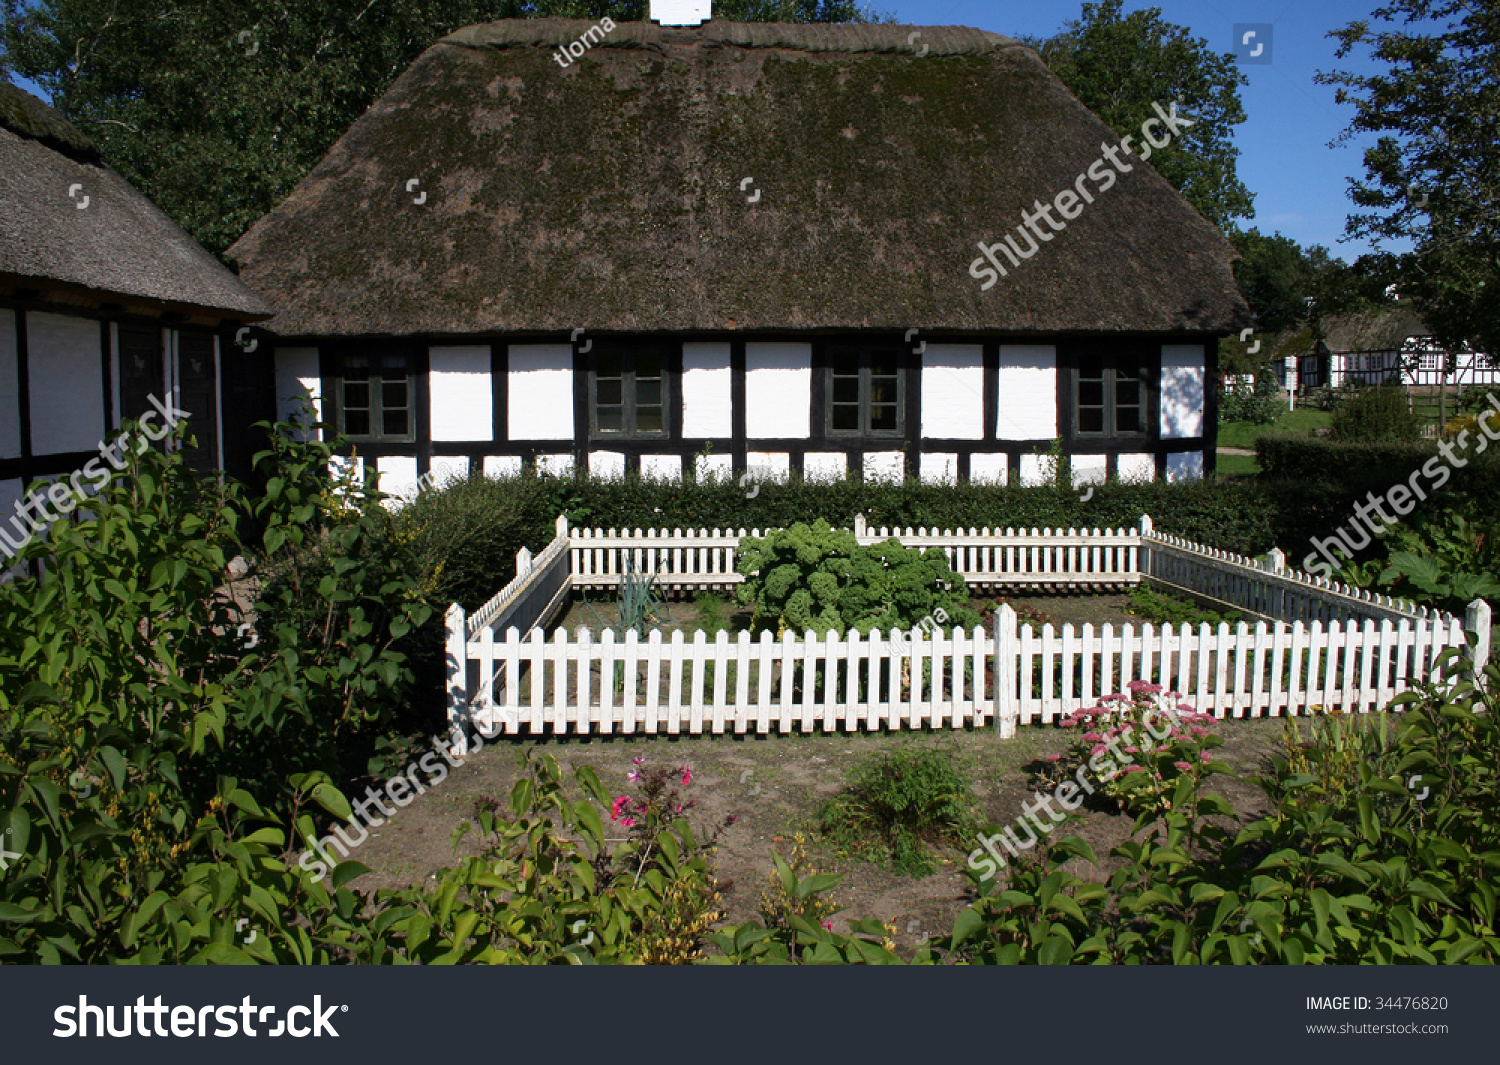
{"x":1478,"y":621}
{"x":458,"y":676}
{"x":1007,"y":654}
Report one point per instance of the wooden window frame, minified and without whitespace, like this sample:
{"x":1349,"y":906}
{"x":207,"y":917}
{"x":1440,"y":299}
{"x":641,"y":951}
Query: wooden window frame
{"x":375,"y":399}
{"x":1109,"y":402}
{"x":864,"y":352}
{"x":629,"y":430}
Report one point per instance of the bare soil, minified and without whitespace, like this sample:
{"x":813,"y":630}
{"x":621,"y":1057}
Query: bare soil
{"x":776,"y":784}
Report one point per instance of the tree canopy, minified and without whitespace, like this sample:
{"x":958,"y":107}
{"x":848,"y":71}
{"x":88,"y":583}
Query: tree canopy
{"x":1433,"y":175}
{"x":1118,"y":65}
{"x":216,"y":109}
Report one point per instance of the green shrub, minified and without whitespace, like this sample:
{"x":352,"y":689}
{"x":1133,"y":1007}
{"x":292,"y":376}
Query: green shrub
{"x":1381,"y":414}
{"x":813,"y":578}
{"x":1162,"y":609}
{"x":899,"y":805}
{"x":1260,"y":405}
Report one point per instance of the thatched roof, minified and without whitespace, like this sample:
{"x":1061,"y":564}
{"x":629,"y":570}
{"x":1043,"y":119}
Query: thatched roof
{"x":120,"y":245}
{"x":1384,"y":328}
{"x":607,"y":195}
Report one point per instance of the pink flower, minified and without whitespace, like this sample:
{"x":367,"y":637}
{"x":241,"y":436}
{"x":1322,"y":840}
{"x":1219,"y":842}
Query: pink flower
{"x":634,"y":776}
{"x":1196,"y":731}
{"x":731,"y":819}
{"x":687,"y":775}
{"x":619,"y":806}
{"x":827,"y":924}
{"x":1068,"y":723}
{"x":1054,"y":758}
{"x":1098,"y":749}
{"x":1092,"y":737}
{"x":1182,"y":766}
{"x":1134,"y":769}
{"x":1203,"y":757}
{"x":639,"y":760}
{"x":1139,"y":686}
{"x":628,"y":822}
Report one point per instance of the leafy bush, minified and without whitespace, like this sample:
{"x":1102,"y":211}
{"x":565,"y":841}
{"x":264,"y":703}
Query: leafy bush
{"x":813,"y":578}
{"x":1260,"y":404}
{"x":899,"y":805}
{"x":1163,"y":609}
{"x":1381,"y":414}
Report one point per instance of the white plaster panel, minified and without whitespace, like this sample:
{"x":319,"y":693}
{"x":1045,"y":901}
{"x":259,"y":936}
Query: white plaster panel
{"x":607,"y":465}
{"x":885,"y":466}
{"x":1136,"y":468}
{"x":446,"y":469}
{"x":825,"y":466}
{"x":67,"y":384}
{"x":502,"y":465}
{"x":297,"y":378}
{"x":10,"y":389}
{"x":713,"y":467}
{"x":558,"y":465}
{"x":1185,"y":466}
{"x":778,"y":390}
{"x":953,"y":392}
{"x":397,"y":475}
{"x":661,"y":467}
{"x":1182,"y":373}
{"x":1028,"y":393}
{"x":540,"y":388}
{"x":988,"y":469}
{"x":707,"y":410}
{"x":939,"y":467}
{"x":461,"y":393}
{"x":763,"y":465}
{"x":1090,"y":469}
{"x":1036,"y":470}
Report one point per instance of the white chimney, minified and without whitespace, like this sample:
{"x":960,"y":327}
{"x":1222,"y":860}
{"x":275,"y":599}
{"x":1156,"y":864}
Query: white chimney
{"x":681,"y":12}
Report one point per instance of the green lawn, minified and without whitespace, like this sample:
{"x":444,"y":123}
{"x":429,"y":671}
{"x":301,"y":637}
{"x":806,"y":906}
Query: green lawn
{"x":1243,"y":434}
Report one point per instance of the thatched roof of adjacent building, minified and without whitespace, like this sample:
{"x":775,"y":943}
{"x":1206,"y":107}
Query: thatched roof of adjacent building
{"x":120,"y":246}
{"x":607,"y":195}
{"x":1384,"y":328}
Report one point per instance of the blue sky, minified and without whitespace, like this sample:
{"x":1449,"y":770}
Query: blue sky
{"x":1300,"y":183}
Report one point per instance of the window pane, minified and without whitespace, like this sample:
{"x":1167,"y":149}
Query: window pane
{"x":1090,"y":367}
{"x":846,"y":417}
{"x":1091,"y":419}
{"x":393,"y":394}
{"x":648,"y":391}
{"x":845,"y":363}
{"x":883,"y":416}
{"x":1090,"y":393}
{"x":356,"y":394}
{"x":611,"y":419}
{"x":607,"y":365}
{"x":882,"y":390}
{"x":396,"y":423}
{"x":611,"y":391}
{"x":1128,"y":420}
{"x":846,"y":389}
{"x":648,"y":420}
{"x":1128,"y":391}
{"x":357,"y":422}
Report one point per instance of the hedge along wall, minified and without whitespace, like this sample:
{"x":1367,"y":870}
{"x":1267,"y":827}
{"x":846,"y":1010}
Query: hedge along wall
{"x":1366,"y":466}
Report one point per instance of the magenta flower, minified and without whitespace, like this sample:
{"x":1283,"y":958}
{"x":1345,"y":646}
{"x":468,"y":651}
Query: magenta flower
{"x":731,"y":819}
{"x":634,"y":776}
{"x":687,"y":775}
{"x":619,"y":806}
{"x":639,"y":760}
{"x":1092,"y":737}
{"x":827,"y":924}
{"x":1099,"y":748}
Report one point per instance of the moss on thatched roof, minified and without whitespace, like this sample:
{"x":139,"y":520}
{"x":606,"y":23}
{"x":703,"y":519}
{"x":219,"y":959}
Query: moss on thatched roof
{"x":1384,"y":328}
{"x":118,"y":245}
{"x":607,"y":195}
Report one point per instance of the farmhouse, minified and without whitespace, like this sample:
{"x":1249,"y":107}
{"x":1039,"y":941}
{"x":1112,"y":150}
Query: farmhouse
{"x":104,"y":303}
{"x":740,"y":246}
{"x":1390,"y":343}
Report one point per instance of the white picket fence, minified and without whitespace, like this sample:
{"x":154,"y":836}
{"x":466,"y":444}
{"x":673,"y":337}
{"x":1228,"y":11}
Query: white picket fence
{"x":987,"y":558}
{"x":1353,"y":652}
